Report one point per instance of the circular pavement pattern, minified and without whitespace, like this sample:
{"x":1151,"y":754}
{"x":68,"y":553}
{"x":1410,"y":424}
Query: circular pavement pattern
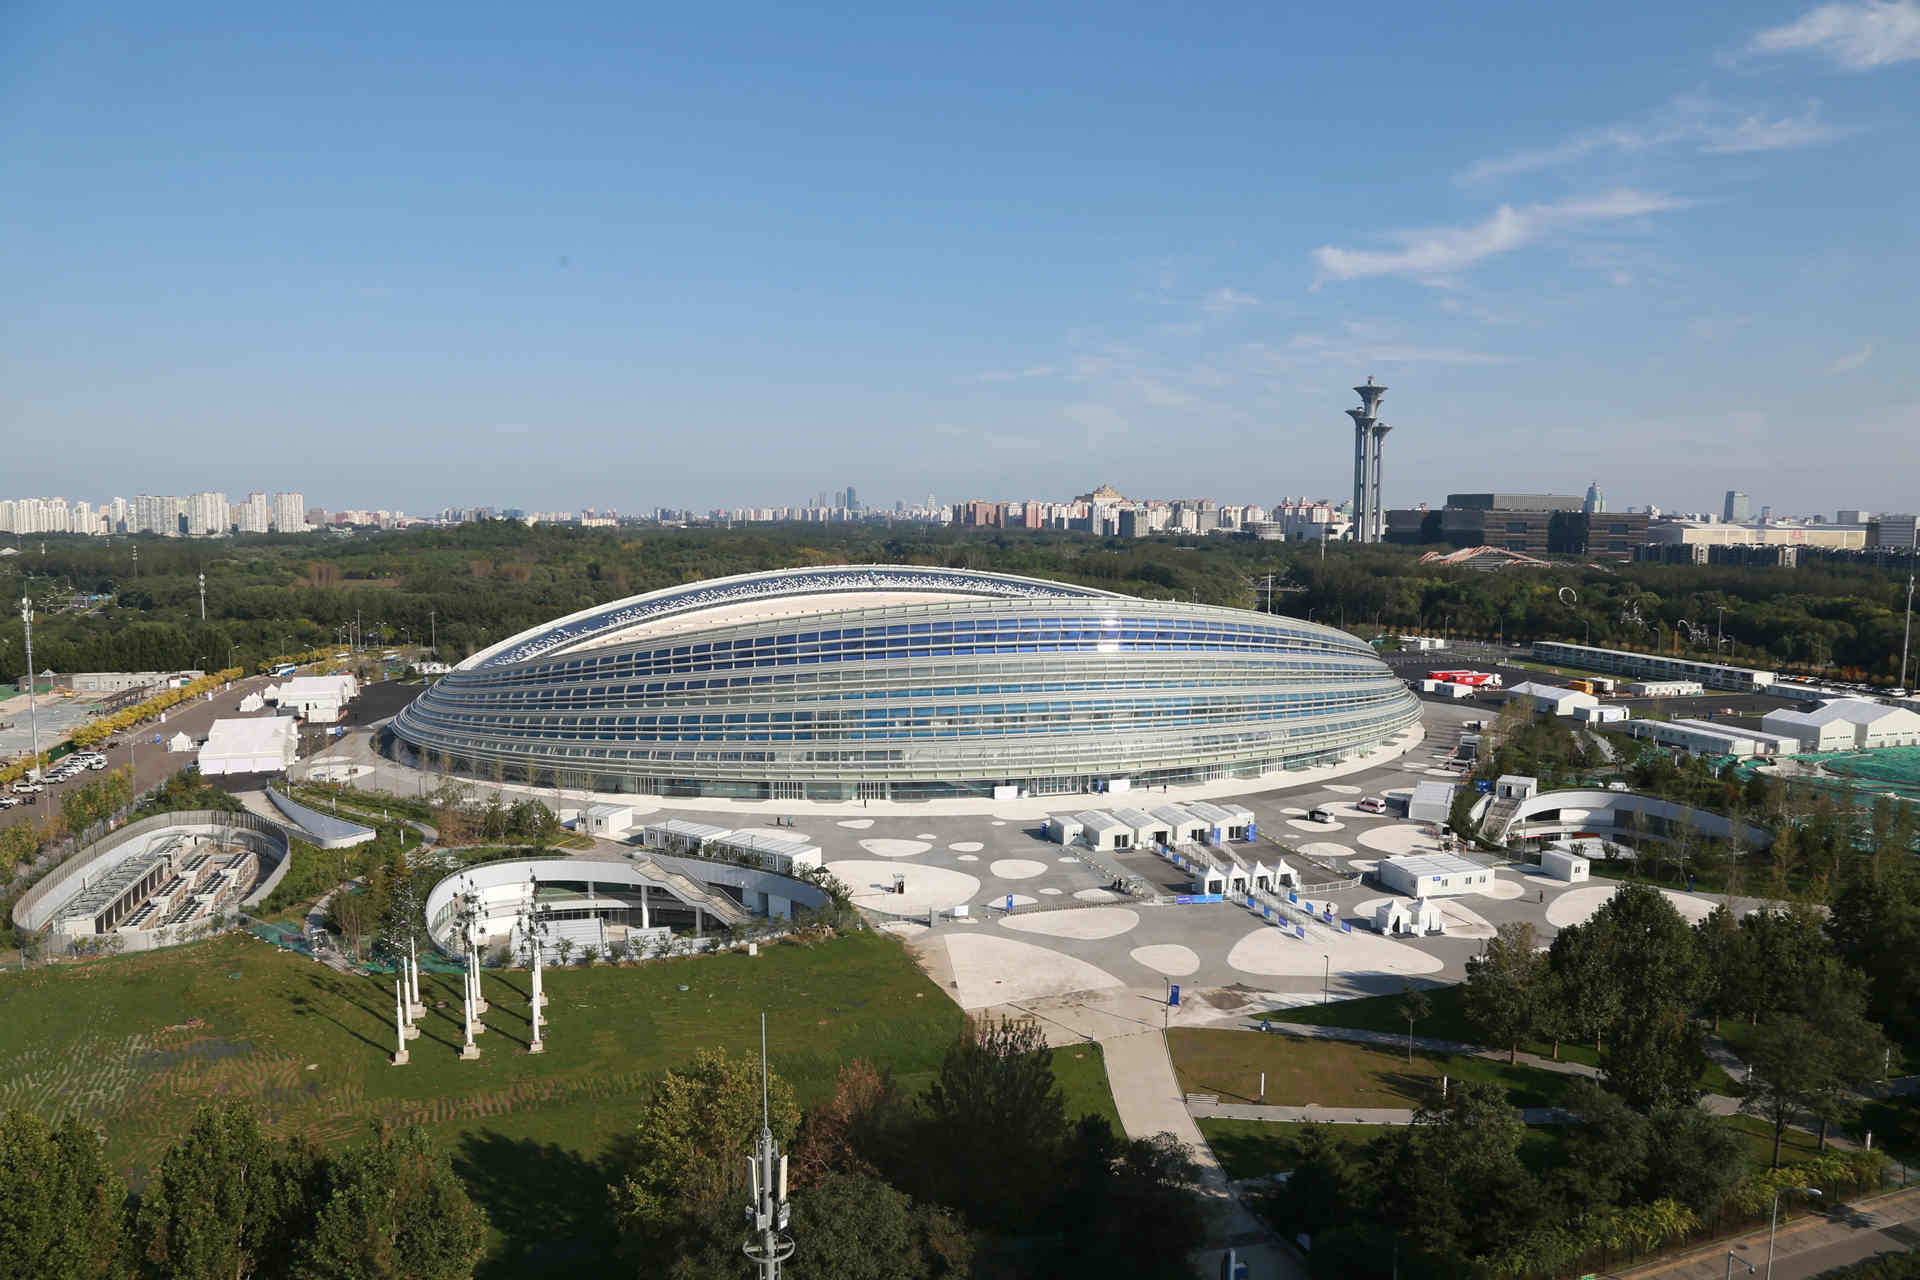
{"x":872,"y":884}
{"x":1576,"y":906}
{"x":1168,"y":958}
{"x":1086,"y":923}
{"x":855,"y":824}
{"x":998,"y":823}
{"x":1347,"y":809}
{"x":966,"y":846}
{"x":1269,"y":952}
{"x":1504,"y":890}
{"x":1051,"y":892}
{"x":1363,"y":865}
{"x":1344,"y":789}
{"x":926,"y":835}
{"x":1399,"y":838}
{"x":1307,"y":824}
{"x":967,"y":857}
{"x":1292,"y":812}
{"x":1017,"y":868}
{"x":990,"y":969}
{"x":1068,"y":859}
{"x":1096,"y":895}
{"x":1019,"y":900}
{"x":882,"y":847}
{"x":1325,"y":849}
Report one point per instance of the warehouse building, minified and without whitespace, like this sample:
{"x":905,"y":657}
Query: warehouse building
{"x":1552,"y":698}
{"x":1704,"y":737}
{"x":1847,"y":724}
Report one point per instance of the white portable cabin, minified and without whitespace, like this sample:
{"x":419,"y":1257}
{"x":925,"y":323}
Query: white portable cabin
{"x":1515,"y":786}
{"x":775,"y":851}
{"x":1605,"y":713}
{"x":1103,"y":832}
{"x":1180,"y":825}
{"x":1063,"y":829}
{"x":677,"y":835}
{"x":609,"y":819}
{"x":1142,"y":825}
{"x":1431,"y":802}
{"x":1564,"y":864}
{"x":1433,"y":875}
{"x":1224,"y":822}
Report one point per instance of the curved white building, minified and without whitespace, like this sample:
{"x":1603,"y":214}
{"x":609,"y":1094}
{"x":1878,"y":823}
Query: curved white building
{"x":902,"y":682}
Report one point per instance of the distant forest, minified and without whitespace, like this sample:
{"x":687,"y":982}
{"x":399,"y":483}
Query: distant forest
{"x":102,"y":607}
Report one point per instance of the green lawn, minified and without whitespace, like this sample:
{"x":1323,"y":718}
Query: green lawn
{"x":1336,"y":1073}
{"x":1448,"y":1021}
{"x":137,"y":1042}
{"x":1756,"y":1136}
{"x":1257,"y":1148}
{"x":1081,"y":1070}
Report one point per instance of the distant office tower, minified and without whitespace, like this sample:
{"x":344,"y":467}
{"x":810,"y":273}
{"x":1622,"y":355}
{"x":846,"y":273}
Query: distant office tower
{"x":853,"y":499}
{"x":1369,"y":440}
{"x":1596,"y":503}
{"x":254,"y":515}
{"x":206,"y":514}
{"x":1736,"y":509}
{"x":289,"y":512}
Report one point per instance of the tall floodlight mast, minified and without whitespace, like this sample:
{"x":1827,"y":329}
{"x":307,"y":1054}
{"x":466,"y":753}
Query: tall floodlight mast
{"x":33,"y":711}
{"x":767,"y":1244}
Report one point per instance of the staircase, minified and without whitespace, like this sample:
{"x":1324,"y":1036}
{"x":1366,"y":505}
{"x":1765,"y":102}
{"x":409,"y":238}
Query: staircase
{"x":717,"y":905}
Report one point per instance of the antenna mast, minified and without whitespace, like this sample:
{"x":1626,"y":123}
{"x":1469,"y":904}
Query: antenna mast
{"x":767,"y":1212}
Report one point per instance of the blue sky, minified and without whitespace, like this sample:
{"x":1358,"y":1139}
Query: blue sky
{"x":623,"y":255}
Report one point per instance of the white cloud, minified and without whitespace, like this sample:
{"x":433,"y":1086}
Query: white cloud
{"x":1226,"y":301}
{"x":1852,"y":360}
{"x":1433,"y":254}
{"x":1859,"y":37}
{"x":1696,"y":122}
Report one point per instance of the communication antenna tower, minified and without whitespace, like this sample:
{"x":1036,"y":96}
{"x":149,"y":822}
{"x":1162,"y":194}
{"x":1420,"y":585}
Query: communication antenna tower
{"x":767,"y":1245}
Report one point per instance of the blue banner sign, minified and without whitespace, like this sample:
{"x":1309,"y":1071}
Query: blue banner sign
{"x":1189,"y":898}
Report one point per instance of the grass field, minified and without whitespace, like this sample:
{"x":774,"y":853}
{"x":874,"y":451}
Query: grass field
{"x":1334,"y":1073}
{"x":1081,"y":1070}
{"x":1448,"y":1021}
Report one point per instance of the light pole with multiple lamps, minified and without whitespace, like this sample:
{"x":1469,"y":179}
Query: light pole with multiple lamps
{"x":1773,"y":1219}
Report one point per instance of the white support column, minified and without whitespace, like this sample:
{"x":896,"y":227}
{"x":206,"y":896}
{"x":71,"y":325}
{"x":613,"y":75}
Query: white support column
{"x":479,"y":1000}
{"x":645,"y":920}
{"x":537,"y":1045}
{"x":399,"y":1023}
{"x":471,"y":1050}
{"x":416,"y":1007}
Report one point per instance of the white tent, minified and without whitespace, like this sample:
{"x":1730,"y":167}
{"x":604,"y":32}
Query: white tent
{"x":318,"y":698}
{"x":179,"y":742}
{"x":265,"y":744}
{"x":1392,"y":917}
{"x":253,"y":702}
{"x":1427,"y":917}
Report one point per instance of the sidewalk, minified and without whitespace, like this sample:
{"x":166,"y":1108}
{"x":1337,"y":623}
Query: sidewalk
{"x":1803,"y":1247}
{"x":1340,"y":1115}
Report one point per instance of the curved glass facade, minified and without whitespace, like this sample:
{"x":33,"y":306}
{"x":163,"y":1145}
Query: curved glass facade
{"x":991,"y":681}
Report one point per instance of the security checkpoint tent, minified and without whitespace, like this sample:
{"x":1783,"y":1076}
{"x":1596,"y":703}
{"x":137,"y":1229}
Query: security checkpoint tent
{"x":1103,"y":832}
{"x":1063,"y":830}
{"x":1427,"y":917}
{"x":1180,"y":824}
{"x":1224,"y":822}
{"x":1564,"y":864}
{"x":1552,"y":698}
{"x":1392,"y":917}
{"x":179,"y":742}
{"x":1430,"y":802}
{"x":1209,"y":876}
{"x":253,"y":702}
{"x":319,"y":699}
{"x":1433,"y":875}
{"x":1280,"y":874}
{"x":267,"y":744}
{"x":609,"y":819}
{"x":1140,"y":824}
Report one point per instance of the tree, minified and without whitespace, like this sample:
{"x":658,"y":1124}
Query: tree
{"x":856,"y":1227}
{"x":1586,"y":995}
{"x":226,"y":1201}
{"x":1726,"y":965}
{"x":996,"y":1116}
{"x":1791,"y":1064}
{"x":1322,"y":1192}
{"x":691,"y":1144}
{"x":1503,"y":988}
{"x":393,"y":1211}
{"x":60,"y":1201}
{"x":1605,"y":1152}
{"x":1653,"y":1054}
{"x":1691,"y":1158}
{"x":1414,"y":1005}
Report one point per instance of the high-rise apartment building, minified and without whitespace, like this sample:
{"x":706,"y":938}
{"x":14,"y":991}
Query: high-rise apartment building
{"x":289,"y":512}
{"x":254,"y":515}
{"x":1736,"y":507}
{"x":156,"y":513}
{"x":206,"y":514}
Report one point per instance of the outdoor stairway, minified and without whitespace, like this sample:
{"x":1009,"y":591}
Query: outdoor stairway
{"x":718,"y":905}
{"x":1493,"y":825}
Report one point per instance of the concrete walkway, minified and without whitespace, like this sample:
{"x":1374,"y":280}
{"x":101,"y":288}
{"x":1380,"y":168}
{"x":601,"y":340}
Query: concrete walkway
{"x":1341,"y":1115}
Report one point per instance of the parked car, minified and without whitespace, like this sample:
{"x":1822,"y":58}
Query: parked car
{"x":7,"y":802}
{"x":1372,"y":804}
{"x":1321,"y":815}
{"x":26,"y":787}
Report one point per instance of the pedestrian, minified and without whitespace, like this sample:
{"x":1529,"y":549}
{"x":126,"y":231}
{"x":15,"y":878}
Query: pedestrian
{"x":1543,"y":895}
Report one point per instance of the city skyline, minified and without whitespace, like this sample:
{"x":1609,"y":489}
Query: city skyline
{"x":399,"y":265}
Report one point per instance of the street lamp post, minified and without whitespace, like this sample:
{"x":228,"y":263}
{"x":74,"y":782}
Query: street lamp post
{"x":1773,"y":1220}
{"x":1731,"y":1258}
{"x":33,"y":711}
{"x":1906,"y":636}
{"x":1326,"y":978}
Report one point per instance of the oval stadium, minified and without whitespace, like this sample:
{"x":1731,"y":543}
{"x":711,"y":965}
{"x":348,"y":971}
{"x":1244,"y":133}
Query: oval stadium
{"x":902,"y":682}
